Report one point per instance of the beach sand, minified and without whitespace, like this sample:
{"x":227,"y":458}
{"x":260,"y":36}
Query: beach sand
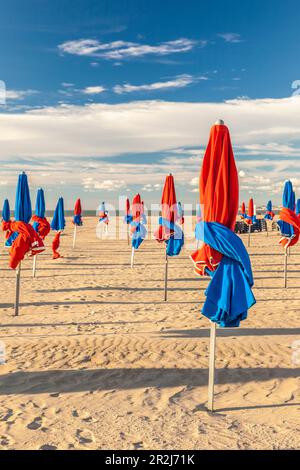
{"x":97,"y":360}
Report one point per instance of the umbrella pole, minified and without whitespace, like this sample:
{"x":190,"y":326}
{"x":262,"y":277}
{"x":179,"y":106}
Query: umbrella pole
{"x":249,"y":236}
{"x":166,"y":278}
{"x":34,"y":266}
{"x":74,"y":236}
{"x":132,"y":257}
{"x":128,"y":235}
{"x":285,"y":266}
{"x":18,"y":280}
{"x":267,"y":228}
{"x":106,"y":229}
{"x":211,"y":374}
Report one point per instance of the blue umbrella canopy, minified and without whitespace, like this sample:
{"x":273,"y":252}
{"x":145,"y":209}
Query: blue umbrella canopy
{"x":58,"y":221}
{"x":298,"y":207}
{"x":6,"y":211}
{"x":269,"y":206}
{"x":288,"y":201}
{"x":23,"y":211}
{"x":40,"y":206}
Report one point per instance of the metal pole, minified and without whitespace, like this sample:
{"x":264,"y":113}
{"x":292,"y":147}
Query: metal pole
{"x":211,"y":373}
{"x":34,"y":266}
{"x":285,"y":267}
{"x":132,"y":257}
{"x":249,"y":236}
{"x":74,"y":236}
{"x":18,"y":280}
{"x":166,"y":278}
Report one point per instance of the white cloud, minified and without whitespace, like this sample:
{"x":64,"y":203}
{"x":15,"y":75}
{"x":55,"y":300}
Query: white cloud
{"x":180,"y":81}
{"x":93,"y":90}
{"x":118,"y":50}
{"x":194,"y":181}
{"x":61,"y":143}
{"x":107,"y":185}
{"x":151,"y":187}
{"x":231,"y":37}
{"x":148,"y":126}
{"x":18,"y":94}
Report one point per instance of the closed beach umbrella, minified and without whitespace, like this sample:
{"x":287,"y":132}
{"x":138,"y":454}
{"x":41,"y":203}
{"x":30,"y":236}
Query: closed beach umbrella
{"x":243,"y":211}
{"x":168,"y":231}
{"x":298,"y":207}
{"x":6,"y":211}
{"x":40,"y":223}
{"x":269,"y":215}
{"x":250,"y":214}
{"x":77,"y":219}
{"x":137,"y":228}
{"x":23,"y":211}
{"x":103,"y":216}
{"x":250,"y":218}
{"x":288,"y":223}
{"x":127,"y":217}
{"x":58,"y":223}
{"x":26,"y":240}
{"x":222,"y":256}
{"x":287,"y":229}
{"x":9,"y":237}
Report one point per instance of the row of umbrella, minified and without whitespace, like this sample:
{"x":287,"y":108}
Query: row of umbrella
{"x":221,"y":254}
{"x":22,"y":238}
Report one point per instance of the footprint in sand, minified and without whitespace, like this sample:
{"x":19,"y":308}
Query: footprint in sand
{"x":84,"y":436}
{"x":138,"y":445}
{"x":35,"y":424}
{"x":4,"y":441}
{"x":48,"y":447}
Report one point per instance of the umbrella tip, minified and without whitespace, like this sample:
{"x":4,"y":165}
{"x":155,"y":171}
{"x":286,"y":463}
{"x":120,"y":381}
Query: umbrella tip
{"x":219,"y":122}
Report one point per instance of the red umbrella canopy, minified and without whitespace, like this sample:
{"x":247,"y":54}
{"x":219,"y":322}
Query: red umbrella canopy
{"x":77,"y":208}
{"x":136,"y":206}
{"x":219,"y":190}
{"x":243,"y":208}
{"x":168,"y":200}
{"x":219,"y":186}
{"x":127,"y":207}
{"x":251,"y":208}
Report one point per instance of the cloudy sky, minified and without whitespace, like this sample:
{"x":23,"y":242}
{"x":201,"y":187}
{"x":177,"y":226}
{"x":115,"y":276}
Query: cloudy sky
{"x":104,"y":98}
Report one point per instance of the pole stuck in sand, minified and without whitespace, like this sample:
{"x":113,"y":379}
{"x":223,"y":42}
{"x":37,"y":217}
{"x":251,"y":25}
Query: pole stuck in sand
{"x":74,"y":235}
{"x":132,"y":257}
{"x":249,"y":235}
{"x":34,"y":266}
{"x":18,"y":281}
{"x":285,"y":266}
{"x":211,"y":372}
{"x":166,"y":278}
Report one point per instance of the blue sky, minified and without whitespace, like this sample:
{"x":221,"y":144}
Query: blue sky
{"x":106,"y":97}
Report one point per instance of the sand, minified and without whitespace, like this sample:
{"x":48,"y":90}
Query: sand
{"x":97,"y":359}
